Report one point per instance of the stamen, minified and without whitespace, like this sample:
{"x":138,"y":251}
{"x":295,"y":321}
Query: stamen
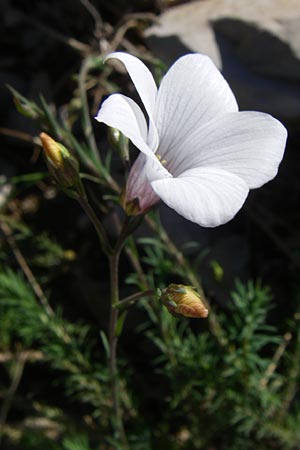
{"x":163,"y":162}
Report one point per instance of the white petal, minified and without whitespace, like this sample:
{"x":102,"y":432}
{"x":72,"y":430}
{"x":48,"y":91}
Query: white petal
{"x":192,"y":93}
{"x":247,"y":144}
{"x":145,"y":85}
{"x":141,"y":77}
{"x":124,"y":114}
{"x":206,"y":196}
{"x":155,"y":170}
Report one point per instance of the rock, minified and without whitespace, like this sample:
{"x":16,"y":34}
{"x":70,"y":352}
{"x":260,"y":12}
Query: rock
{"x":256,"y":45}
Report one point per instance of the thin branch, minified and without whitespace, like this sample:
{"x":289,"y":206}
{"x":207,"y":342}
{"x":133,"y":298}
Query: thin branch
{"x":97,"y":224}
{"x":133,"y":258}
{"x":20,"y":135}
{"x":70,"y":42}
{"x":131,"y":299}
{"x":293,"y":378}
{"x":26,"y":355}
{"x":275,"y":360}
{"x":136,"y":264}
{"x":25,"y":268}
{"x":113,"y":342}
{"x":129,"y":21}
{"x":114,"y":258}
{"x":87,"y":125}
{"x":6,"y":405}
{"x":96,"y":16}
{"x":31,"y":278}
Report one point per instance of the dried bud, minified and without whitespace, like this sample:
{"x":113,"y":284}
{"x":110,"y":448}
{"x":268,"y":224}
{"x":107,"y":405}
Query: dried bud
{"x":183,"y":301}
{"x":63,"y":167}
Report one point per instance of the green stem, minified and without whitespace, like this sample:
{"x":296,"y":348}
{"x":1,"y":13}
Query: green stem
{"x":87,"y":127}
{"x":8,"y":399}
{"x":113,"y":342}
{"x":292,"y":386}
{"x":113,"y":370}
{"x":113,"y":337}
{"x":128,"y":301}
{"x":113,"y":256}
{"x":114,"y":277}
{"x":87,"y":176}
{"x":97,"y":224}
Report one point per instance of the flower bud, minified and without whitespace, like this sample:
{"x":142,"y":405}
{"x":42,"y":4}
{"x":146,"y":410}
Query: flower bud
{"x":27,"y":109}
{"x":63,"y":167}
{"x":183,"y":301}
{"x":25,"y":106}
{"x":120,"y":142}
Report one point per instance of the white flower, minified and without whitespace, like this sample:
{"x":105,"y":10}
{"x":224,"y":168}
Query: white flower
{"x":200,"y":155}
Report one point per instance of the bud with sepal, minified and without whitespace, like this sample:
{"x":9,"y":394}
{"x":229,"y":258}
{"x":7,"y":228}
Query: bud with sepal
{"x":63,"y":167}
{"x":120,"y":143}
{"x":183,"y":301}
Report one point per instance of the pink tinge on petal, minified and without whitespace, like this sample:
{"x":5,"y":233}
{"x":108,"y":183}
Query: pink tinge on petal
{"x":138,"y":196}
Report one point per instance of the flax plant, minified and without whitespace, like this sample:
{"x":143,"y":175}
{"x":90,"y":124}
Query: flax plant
{"x":200,"y":156}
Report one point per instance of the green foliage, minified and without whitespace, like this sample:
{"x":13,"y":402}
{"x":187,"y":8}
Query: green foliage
{"x":207,"y":388}
{"x":213,"y":388}
{"x":66,"y":347}
{"x":43,"y":251}
{"x":36,"y":440}
{"x":76,"y":443}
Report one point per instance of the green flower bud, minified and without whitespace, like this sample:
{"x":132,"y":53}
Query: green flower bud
{"x":183,"y":301}
{"x":120,"y":142}
{"x":26,"y":108}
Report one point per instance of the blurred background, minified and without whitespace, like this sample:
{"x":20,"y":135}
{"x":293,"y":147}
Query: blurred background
{"x":228,"y":383}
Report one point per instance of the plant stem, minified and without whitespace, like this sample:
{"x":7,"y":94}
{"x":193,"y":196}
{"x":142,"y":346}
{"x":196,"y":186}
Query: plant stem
{"x":114,"y":258}
{"x":71,"y":42}
{"x":25,"y":268}
{"x":97,"y":224}
{"x":128,"y":301}
{"x":114,"y":276}
{"x":88,"y":130}
{"x":292,"y":386}
{"x":8,"y":399}
{"x":113,"y":342}
{"x":87,"y":124}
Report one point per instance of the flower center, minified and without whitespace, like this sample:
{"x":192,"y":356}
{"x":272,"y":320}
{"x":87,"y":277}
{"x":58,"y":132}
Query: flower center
{"x":163,"y":162}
